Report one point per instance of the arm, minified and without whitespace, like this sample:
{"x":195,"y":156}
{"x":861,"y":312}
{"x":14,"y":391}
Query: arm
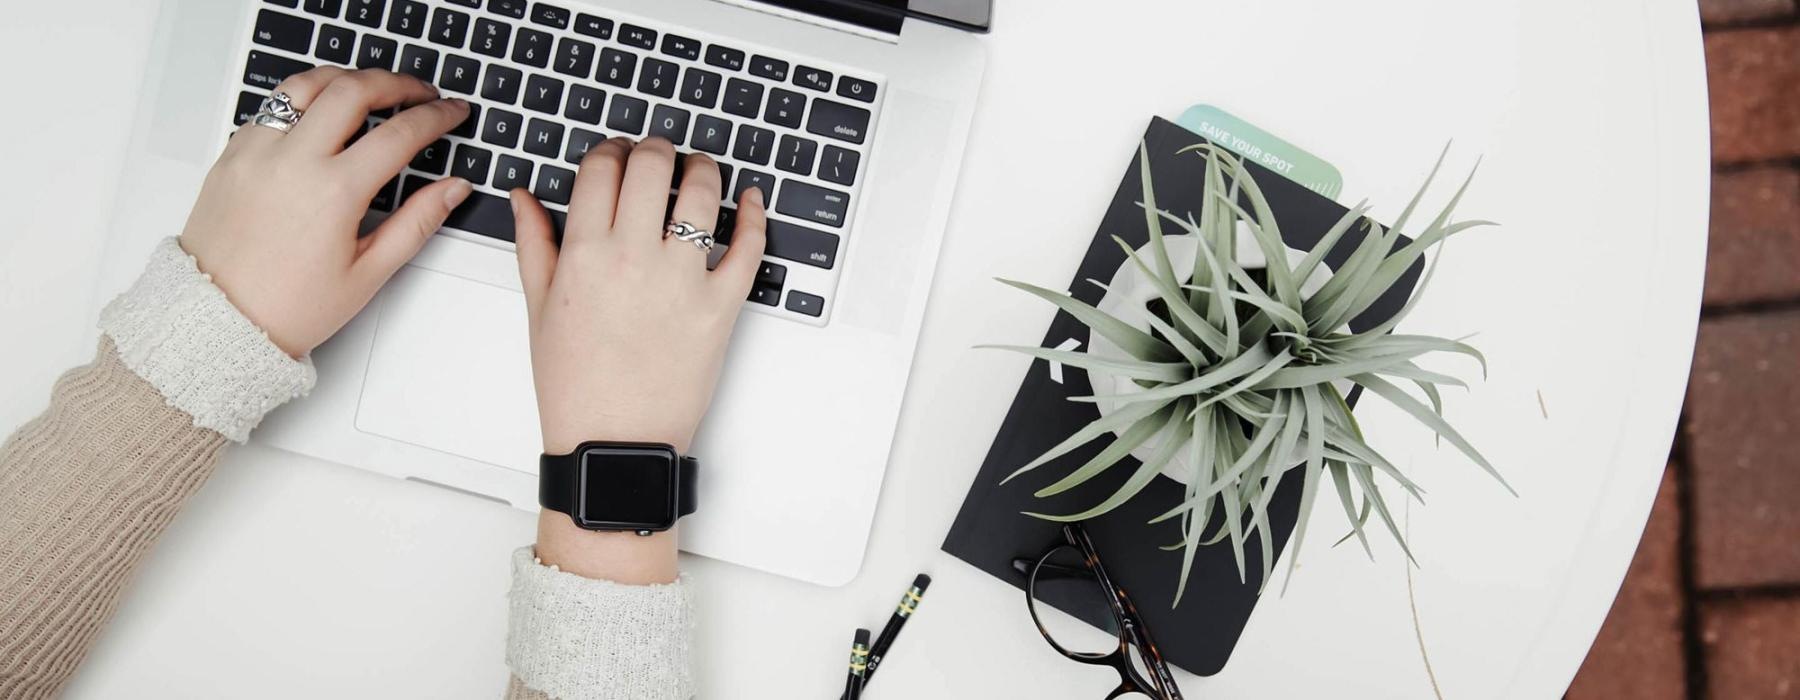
{"x":628,"y":333}
{"x":190,"y":361}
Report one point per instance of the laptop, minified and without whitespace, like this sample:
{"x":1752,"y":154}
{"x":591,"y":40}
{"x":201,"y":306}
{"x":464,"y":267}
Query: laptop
{"x":851,"y":114}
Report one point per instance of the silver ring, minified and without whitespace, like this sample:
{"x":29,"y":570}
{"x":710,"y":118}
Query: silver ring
{"x":277,"y":112}
{"x":684,"y":231}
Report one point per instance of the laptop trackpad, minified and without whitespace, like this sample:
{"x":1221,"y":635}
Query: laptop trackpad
{"x":450,"y":370}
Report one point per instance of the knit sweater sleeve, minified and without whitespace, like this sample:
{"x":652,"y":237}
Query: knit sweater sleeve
{"x":88,"y":487}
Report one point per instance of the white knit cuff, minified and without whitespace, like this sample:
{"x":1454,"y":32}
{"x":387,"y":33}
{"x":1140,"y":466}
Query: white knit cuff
{"x":576,"y":638}
{"x":176,"y":329}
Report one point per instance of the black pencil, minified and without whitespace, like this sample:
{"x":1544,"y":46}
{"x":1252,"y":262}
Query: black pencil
{"x":909,"y":603}
{"x":859,"y":664}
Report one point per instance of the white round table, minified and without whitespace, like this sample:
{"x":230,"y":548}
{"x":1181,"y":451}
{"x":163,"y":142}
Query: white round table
{"x":303,"y":579}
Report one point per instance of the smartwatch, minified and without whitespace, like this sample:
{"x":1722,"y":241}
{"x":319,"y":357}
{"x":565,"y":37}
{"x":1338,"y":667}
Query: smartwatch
{"x":619,"y":486}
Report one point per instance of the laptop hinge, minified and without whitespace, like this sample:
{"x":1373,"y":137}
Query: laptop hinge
{"x":859,"y":17}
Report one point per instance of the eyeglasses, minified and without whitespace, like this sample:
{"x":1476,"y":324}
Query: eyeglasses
{"x":1069,"y":576}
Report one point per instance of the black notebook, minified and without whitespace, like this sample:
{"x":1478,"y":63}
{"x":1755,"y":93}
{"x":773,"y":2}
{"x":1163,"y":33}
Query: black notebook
{"x":990,"y":531}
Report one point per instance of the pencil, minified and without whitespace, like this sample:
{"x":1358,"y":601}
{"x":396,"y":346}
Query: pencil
{"x":909,"y":603}
{"x":859,"y":663}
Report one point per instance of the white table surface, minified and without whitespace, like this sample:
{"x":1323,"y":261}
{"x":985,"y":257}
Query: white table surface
{"x":293,"y":578}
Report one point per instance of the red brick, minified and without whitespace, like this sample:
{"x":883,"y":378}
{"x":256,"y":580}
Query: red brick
{"x":1752,"y":648}
{"x":1753,"y":76}
{"x":1753,"y":253}
{"x":1729,"y":11}
{"x":1639,"y":653}
{"x":1743,"y":431}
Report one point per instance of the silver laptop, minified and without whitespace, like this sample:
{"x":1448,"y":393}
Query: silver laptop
{"x":852,"y":114}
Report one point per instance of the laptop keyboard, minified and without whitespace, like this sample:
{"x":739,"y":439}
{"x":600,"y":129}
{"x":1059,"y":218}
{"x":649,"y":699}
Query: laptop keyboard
{"x":545,"y":83}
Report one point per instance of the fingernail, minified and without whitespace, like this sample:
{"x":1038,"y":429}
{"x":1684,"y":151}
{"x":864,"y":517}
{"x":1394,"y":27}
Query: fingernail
{"x":756,"y":195}
{"x":515,"y":204}
{"x":458,"y":101}
{"x":456,"y":193}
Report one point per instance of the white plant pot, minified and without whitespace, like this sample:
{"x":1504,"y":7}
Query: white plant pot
{"x":1128,"y":294}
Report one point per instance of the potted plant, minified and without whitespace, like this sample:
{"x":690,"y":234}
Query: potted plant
{"x":1224,"y":359}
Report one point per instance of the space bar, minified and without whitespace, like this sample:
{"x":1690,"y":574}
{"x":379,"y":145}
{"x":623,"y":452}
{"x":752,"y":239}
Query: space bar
{"x":492,"y":216}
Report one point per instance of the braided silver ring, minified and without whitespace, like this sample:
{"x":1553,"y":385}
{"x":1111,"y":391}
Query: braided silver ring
{"x":684,"y":231}
{"x":277,"y":112}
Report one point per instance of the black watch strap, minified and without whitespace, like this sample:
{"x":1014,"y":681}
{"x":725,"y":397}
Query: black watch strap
{"x":559,"y":483}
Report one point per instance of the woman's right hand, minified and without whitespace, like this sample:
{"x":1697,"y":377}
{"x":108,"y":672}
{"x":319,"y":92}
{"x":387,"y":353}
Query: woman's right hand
{"x":628,"y":329}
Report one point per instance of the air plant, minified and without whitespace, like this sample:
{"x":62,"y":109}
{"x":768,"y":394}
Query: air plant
{"x":1245,"y":370}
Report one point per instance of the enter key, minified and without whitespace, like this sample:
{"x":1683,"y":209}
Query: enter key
{"x":813,"y":203}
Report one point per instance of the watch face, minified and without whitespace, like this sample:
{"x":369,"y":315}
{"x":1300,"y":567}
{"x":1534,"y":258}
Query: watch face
{"x":628,"y":487}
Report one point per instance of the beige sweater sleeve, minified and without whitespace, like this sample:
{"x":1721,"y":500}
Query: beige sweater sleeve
{"x":85,"y":489}
{"x":88,"y":487}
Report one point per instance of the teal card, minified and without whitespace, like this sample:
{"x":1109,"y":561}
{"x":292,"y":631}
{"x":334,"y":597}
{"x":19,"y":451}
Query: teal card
{"x":1263,"y":148}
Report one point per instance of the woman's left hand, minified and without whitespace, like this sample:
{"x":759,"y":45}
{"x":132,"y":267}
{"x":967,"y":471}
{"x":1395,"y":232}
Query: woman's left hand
{"x":276,"y":221}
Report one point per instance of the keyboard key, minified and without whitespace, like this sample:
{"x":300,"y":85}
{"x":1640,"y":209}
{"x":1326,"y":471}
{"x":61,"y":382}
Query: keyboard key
{"x":771,"y":273}
{"x":801,"y":244}
{"x":658,"y":77}
{"x":580,"y":142}
{"x":266,"y":71}
{"x":407,"y":17}
{"x":856,"y":89}
{"x":248,"y":103}
{"x":435,"y":159}
{"x":597,"y":27}
{"x":501,"y":84}
{"x":472,"y":4}
{"x":700,"y":87}
{"x":784,"y":108}
{"x":492,"y":216}
{"x":724,"y":57}
{"x":366,"y":12}
{"x":283,"y":31}
{"x":511,"y":172}
{"x":550,"y":16}
{"x":669,"y":123}
{"x":419,"y":62}
{"x":754,"y":144}
{"x":727,"y":223}
{"x":284,"y":3}
{"x":810,"y":77}
{"x":748,"y":178}
{"x":471,"y":163}
{"x":386,"y":197}
{"x":765,"y":294}
{"x":584,"y":104}
{"x":467,"y":128}
{"x":449,"y":27}
{"x":627,"y":114}
{"x":543,"y":94}
{"x":511,"y":8}
{"x":616,"y":67}
{"x":491,"y":37}
{"x":502,"y":128}
{"x":724,"y":176}
{"x":326,"y":8}
{"x":376,"y":52}
{"x":743,"y":98}
{"x":711,"y":134}
{"x":839,"y":166}
{"x":554,"y":184}
{"x":574,"y":57}
{"x":839,"y":121}
{"x":543,"y":138}
{"x":813,"y":203}
{"x":531,"y":47}
{"x":336,"y":44}
{"x":633,"y":35}
{"x":809,"y":304}
{"x":795,"y":155}
{"x":460,"y":74}
{"x":771,"y":68}
{"x":681,"y":47}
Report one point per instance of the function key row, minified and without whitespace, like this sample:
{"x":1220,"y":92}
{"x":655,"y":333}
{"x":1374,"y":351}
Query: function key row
{"x":449,"y":28}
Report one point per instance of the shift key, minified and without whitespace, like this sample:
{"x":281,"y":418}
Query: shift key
{"x":813,"y":203}
{"x":801,"y":244}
